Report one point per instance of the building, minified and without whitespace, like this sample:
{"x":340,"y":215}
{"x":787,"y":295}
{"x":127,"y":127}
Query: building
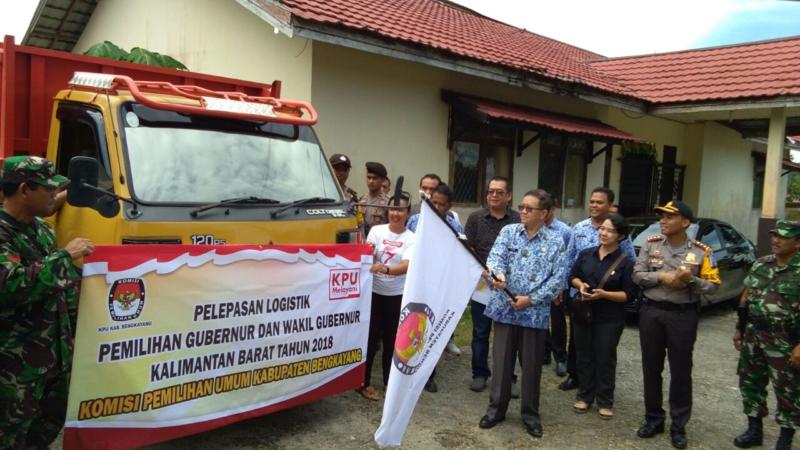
{"x":430,"y":86}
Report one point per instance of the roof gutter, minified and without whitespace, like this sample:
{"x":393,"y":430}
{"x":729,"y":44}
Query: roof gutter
{"x":725,"y":106}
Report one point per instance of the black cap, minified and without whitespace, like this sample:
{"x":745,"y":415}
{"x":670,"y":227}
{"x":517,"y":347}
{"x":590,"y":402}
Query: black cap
{"x":338,"y":158}
{"x":377,"y":169}
{"x":676,"y":207}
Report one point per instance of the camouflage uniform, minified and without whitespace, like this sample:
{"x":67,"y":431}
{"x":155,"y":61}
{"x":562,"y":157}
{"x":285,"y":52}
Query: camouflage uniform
{"x":38,"y":306}
{"x":770,"y":335}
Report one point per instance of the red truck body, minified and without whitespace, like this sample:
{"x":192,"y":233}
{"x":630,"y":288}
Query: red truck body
{"x":30,"y":77}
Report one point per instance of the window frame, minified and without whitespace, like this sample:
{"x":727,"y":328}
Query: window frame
{"x":490,"y":137}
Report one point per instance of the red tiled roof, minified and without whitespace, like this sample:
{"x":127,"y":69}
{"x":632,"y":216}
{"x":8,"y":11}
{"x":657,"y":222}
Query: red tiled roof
{"x":759,"y":69}
{"x":446,"y":27}
{"x":546,"y":119}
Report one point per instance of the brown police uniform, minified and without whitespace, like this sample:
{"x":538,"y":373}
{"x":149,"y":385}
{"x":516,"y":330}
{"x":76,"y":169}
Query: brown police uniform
{"x":668,"y":322}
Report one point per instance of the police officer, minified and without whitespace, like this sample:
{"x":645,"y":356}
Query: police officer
{"x":770,"y":341}
{"x":341,"y":168}
{"x":38,"y":305}
{"x":672,"y":271}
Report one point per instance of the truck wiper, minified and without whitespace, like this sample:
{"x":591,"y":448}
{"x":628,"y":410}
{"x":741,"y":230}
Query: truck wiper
{"x":302,"y":201}
{"x":235,"y":201}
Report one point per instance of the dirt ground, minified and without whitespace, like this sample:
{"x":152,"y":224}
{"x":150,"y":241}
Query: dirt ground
{"x":449,"y":418}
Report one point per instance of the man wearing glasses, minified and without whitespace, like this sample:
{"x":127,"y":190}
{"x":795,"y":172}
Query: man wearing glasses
{"x":481,"y":230}
{"x":528,"y":260}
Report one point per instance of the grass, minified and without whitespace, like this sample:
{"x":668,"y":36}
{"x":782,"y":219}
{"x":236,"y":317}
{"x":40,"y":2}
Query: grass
{"x":464,"y":329}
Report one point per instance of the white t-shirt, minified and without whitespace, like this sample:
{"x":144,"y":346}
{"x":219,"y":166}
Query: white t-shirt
{"x":390,"y":249}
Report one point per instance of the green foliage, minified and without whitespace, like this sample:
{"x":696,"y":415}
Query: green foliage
{"x":793,"y":191}
{"x":638,"y":149}
{"x":143,"y":56}
{"x":137,"y":55}
{"x":107,"y":49}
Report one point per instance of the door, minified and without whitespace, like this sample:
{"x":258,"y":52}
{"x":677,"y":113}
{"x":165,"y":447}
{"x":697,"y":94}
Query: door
{"x":740,"y":255}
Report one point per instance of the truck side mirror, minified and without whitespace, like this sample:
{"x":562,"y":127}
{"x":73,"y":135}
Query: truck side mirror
{"x":82,"y":171}
{"x":107,"y":206}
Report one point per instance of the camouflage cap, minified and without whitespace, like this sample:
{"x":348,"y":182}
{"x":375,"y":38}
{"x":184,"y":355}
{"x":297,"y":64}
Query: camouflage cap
{"x":33,"y":169}
{"x":787,"y":228}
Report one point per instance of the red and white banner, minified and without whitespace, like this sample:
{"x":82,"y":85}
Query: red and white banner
{"x":175,"y":340}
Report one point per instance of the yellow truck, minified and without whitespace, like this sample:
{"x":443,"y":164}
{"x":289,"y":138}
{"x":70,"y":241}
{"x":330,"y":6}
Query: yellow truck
{"x":160,"y":156}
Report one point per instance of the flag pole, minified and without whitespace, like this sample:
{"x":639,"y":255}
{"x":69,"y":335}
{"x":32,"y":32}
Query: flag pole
{"x":467,"y":247}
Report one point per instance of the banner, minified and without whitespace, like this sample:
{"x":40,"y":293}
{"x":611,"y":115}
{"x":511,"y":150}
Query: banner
{"x":441,"y":276}
{"x":174,"y":340}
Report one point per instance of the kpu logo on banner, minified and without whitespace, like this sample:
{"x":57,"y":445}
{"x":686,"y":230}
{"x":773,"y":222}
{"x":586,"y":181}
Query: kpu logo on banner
{"x":416,"y":326}
{"x":126,"y":299}
{"x":344,"y":284}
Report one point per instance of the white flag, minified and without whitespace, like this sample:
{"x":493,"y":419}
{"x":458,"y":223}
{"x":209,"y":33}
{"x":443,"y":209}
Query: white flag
{"x":441,"y":276}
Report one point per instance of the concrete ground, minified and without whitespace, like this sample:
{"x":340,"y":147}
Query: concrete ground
{"x":449,"y":418}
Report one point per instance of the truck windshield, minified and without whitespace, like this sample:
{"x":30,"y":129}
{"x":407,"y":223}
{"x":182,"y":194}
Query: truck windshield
{"x":175,"y":158}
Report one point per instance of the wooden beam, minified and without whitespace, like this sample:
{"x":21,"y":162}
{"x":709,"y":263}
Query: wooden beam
{"x":774,"y":164}
{"x":522,"y":146}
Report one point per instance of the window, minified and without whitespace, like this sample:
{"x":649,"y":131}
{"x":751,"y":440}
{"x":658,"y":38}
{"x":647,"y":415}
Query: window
{"x":562,"y":168}
{"x":758,"y":180}
{"x":479,"y":151}
{"x":710,"y":237}
{"x":81,"y":134}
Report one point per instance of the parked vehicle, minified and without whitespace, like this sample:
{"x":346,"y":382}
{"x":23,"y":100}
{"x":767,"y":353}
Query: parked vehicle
{"x":184,"y":158}
{"x":734,"y":253}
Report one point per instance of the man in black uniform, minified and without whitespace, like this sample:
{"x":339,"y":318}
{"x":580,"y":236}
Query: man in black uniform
{"x":672,"y":271}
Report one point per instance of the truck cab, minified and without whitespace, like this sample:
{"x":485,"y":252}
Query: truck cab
{"x":175,"y":163}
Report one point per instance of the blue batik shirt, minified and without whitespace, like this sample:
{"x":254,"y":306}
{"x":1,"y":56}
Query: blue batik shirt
{"x":565,"y":232}
{"x":414,"y":220}
{"x":584,"y":236}
{"x":533,"y":267}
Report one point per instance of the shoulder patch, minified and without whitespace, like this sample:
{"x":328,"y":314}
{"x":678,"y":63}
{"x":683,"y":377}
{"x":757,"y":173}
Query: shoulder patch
{"x":655,"y":238}
{"x":702,"y":246}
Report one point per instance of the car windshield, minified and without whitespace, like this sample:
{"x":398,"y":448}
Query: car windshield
{"x":640,"y":232}
{"x":175,"y":158}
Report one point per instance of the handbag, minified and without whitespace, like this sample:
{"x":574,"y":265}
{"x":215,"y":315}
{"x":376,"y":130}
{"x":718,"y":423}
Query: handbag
{"x":582,"y":310}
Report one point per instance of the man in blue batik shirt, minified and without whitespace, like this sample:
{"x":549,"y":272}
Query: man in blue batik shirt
{"x":528,"y":260}
{"x":585,"y":235}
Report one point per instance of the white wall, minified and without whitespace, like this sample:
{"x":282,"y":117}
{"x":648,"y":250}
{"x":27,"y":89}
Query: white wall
{"x":208,"y":36}
{"x":726,"y":179}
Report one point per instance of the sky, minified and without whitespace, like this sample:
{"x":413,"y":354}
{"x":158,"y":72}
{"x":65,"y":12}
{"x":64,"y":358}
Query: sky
{"x":637,"y":27}
{"x":610,"y":27}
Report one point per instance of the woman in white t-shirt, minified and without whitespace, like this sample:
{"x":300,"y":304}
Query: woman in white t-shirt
{"x":392,"y":244}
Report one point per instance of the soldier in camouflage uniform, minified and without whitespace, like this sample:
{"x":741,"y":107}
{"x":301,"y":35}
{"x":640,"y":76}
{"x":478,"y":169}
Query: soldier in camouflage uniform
{"x":38,"y":304}
{"x":770,"y":342}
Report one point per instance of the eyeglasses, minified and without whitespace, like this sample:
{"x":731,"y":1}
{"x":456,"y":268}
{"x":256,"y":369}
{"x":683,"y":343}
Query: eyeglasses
{"x":495,"y":192}
{"x":527,"y":209}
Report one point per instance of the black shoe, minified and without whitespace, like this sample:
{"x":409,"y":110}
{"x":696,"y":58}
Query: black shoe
{"x":679,"y":440}
{"x":478,"y":384}
{"x":650,"y":429}
{"x":561,"y":368}
{"x":785,"y":439}
{"x":430,"y":386}
{"x":534,"y":428}
{"x":754,"y":435}
{"x":487,"y":422}
{"x":568,"y":384}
